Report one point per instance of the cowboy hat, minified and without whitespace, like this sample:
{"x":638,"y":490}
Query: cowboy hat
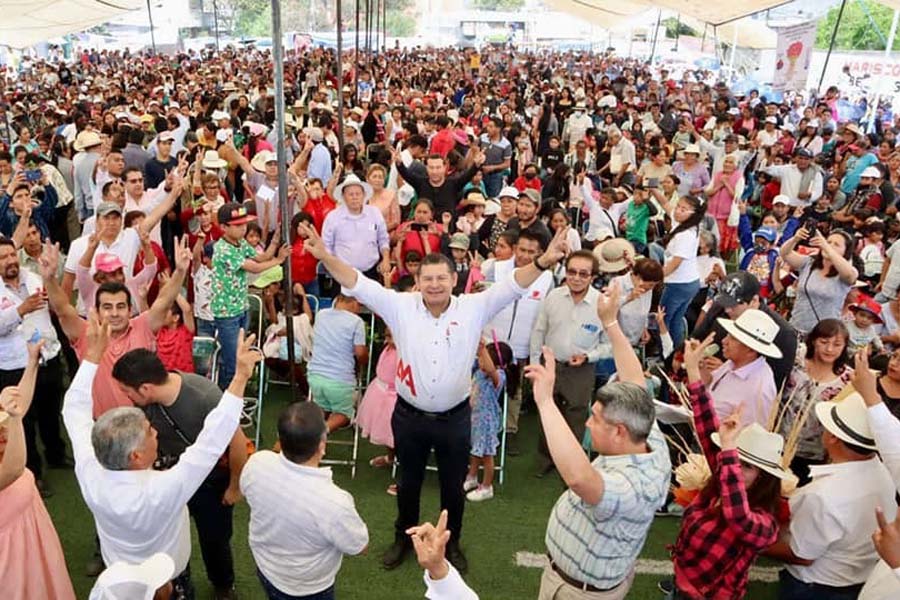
{"x":491,"y":207}
{"x":847,"y":420}
{"x":755,"y":329}
{"x":122,"y":580}
{"x":760,"y":448}
{"x":473,"y":199}
{"x":692,"y":149}
{"x":87,"y":139}
{"x":212,"y":160}
{"x":261,"y":159}
{"x":229,"y":86}
{"x":509,"y":192}
{"x":854,"y":129}
{"x":614,"y":255}
{"x":349,"y":181}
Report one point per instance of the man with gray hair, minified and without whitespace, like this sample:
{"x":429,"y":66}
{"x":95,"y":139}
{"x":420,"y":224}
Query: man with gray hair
{"x":139,"y":511}
{"x":622,"y":160}
{"x":611,"y":501}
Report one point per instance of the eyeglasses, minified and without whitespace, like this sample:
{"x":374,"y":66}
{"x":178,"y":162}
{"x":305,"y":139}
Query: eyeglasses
{"x":581,"y":274}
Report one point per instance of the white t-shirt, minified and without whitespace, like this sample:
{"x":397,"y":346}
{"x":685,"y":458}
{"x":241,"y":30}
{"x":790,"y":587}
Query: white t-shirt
{"x":684,"y":245}
{"x":203,"y":293}
{"x":705,"y":265}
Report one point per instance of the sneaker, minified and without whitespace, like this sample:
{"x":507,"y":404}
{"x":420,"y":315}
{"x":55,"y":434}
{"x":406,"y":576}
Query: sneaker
{"x":672,"y":509}
{"x":481,"y":493}
{"x":394,"y":556}
{"x":225,"y":594}
{"x":457,"y":558}
{"x":470,"y":484}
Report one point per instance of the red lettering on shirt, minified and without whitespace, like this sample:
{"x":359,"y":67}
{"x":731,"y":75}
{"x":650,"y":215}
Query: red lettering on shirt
{"x":404,"y":374}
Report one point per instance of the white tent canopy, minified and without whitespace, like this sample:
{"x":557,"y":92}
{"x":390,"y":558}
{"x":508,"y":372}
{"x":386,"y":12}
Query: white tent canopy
{"x":28,"y":22}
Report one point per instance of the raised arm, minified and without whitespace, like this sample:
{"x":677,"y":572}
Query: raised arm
{"x":15,"y":401}
{"x":558,"y":249}
{"x":68,"y":317}
{"x":156,"y":315}
{"x":706,"y":421}
{"x":628,"y":366}
{"x":162,"y":209}
{"x":789,"y":253}
{"x":845,"y":269}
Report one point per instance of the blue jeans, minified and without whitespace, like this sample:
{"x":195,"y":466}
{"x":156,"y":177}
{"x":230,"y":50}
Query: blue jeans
{"x":275,"y":594}
{"x":676,"y":299}
{"x":227,"y":330}
{"x":493,"y":183}
{"x":791,"y":588}
{"x":205,"y":328}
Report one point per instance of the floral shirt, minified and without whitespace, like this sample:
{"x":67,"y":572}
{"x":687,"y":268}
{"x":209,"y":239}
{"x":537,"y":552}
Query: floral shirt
{"x":229,"y":281}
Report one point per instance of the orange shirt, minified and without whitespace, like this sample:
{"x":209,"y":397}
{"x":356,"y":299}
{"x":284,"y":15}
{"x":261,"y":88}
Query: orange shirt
{"x":106,"y":392}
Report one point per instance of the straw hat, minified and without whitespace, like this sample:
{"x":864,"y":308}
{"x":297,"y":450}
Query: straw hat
{"x":123,"y":581}
{"x":692,"y":149}
{"x":220,"y":115}
{"x":351,"y":180}
{"x":756,"y":330}
{"x":259,"y":161}
{"x":760,"y":448}
{"x":212,"y":160}
{"x":847,"y":420}
{"x":473,"y":199}
{"x":614,"y":255}
{"x":87,"y":139}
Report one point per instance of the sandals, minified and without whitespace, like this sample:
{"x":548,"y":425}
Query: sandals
{"x":380,"y":462}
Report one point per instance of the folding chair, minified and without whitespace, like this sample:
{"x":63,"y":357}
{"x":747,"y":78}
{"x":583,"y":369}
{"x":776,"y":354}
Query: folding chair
{"x":358,"y":392}
{"x":205,"y":352}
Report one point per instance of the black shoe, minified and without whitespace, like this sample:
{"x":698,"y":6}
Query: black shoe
{"x":512,"y":446}
{"x":666,"y":586}
{"x":225,"y":594}
{"x":94,"y":566}
{"x":43,"y":489}
{"x":394,"y":556}
{"x":457,"y":558}
{"x":544,"y":470}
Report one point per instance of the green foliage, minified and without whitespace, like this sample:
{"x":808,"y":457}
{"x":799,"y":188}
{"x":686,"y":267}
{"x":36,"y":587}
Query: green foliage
{"x":498,"y":4}
{"x":255,"y":23}
{"x":400,"y":24}
{"x":675,"y":28}
{"x":856,"y":31}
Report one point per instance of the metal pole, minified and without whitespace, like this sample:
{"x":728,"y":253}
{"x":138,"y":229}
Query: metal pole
{"x":278,"y":58}
{"x":734,"y":38}
{"x":889,"y":45}
{"x":376,"y":28}
{"x":152,"y":36}
{"x":655,"y":36}
{"x":368,"y":30}
{"x":678,"y":32}
{"x":831,"y":43}
{"x":384,"y":24}
{"x":340,"y":77}
{"x":216,"y":20}
{"x":356,"y":58}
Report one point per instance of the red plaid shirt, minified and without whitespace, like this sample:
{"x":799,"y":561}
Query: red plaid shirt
{"x":720,"y":535}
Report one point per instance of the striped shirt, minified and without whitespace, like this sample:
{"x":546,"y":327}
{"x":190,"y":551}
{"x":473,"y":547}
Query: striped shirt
{"x":598,"y":544}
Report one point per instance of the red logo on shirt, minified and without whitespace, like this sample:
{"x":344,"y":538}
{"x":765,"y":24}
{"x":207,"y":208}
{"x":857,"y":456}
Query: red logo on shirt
{"x":404,"y":374}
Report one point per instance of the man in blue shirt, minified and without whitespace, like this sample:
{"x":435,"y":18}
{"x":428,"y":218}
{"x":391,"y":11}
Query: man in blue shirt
{"x":320,"y":158}
{"x":18,"y":199}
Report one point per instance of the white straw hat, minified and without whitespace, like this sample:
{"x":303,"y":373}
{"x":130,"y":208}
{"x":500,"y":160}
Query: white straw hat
{"x":847,"y":420}
{"x":760,"y":448}
{"x":756,"y":330}
{"x":123,"y":581}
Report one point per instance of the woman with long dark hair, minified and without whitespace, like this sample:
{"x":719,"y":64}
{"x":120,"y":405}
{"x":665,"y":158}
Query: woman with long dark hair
{"x":680,"y":271}
{"x":817,"y":376}
{"x":823,"y":280}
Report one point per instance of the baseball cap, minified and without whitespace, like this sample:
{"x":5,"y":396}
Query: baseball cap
{"x":134,"y":581}
{"x":233,"y":213}
{"x":460,"y":241}
{"x":803,"y":152}
{"x":737,"y":288}
{"x":105,"y":208}
{"x":531,"y":194}
{"x":767,"y":233}
{"x":166,"y":136}
{"x":508,"y":192}
{"x":781,"y":199}
{"x":872,"y":172}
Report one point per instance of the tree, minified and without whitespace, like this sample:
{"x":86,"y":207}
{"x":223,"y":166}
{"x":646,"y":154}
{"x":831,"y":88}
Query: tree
{"x":675,"y":28}
{"x":856,"y":30}
{"x":510,"y":5}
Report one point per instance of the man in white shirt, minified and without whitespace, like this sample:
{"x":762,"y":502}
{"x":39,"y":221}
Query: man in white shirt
{"x":437,"y":336}
{"x":514,"y":323}
{"x":828,"y":544}
{"x":622,"y":161}
{"x":139,"y":511}
{"x":801,"y":181}
{"x":301,"y":524}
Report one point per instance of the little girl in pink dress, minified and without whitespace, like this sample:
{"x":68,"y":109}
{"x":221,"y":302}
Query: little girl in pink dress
{"x":377,"y":405}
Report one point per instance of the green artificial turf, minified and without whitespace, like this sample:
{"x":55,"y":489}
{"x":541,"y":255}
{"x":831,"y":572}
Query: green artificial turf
{"x":495,"y":530}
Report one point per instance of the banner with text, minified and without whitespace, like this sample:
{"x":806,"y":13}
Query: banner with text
{"x":793,"y":54}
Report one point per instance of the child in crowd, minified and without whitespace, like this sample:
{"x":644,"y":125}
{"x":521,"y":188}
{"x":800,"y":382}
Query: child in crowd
{"x":865,"y":326}
{"x":637,"y":218}
{"x":202,"y":280}
{"x":487,"y":388}
{"x":303,"y":264}
{"x":175,"y":339}
{"x":760,"y":252}
{"x":871,"y":251}
{"x":254,"y":237}
{"x":377,"y":406}
{"x":412,"y":260}
{"x":458,"y":249}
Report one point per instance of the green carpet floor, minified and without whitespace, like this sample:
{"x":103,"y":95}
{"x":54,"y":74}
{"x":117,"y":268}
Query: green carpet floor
{"x":514,"y":521}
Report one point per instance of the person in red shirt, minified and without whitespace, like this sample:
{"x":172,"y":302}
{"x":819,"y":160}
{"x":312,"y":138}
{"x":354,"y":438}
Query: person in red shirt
{"x":197,"y":219}
{"x":303,"y":264}
{"x":318,"y":203}
{"x":134,"y":218}
{"x":528,"y":179}
{"x":421,"y":234}
{"x":175,"y":339}
{"x":443,"y":141}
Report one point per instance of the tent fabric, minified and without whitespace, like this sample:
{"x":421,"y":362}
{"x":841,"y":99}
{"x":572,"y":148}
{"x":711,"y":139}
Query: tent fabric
{"x":714,"y":13}
{"x":28,"y":22}
{"x":607,"y":15}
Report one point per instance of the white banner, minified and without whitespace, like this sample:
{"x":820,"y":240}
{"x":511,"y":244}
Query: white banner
{"x":793,"y":54}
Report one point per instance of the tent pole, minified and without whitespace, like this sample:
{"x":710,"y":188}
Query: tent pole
{"x":655,"y":36}
{"x":831,"y":43}
{"x":734,"y":38}
{"x":152,"y":36}
{"x":887,"y":54}
{"x":678,"y":33}
{"x":216,"y":21}
{"x":368,"y":30}
{"x":356,"y":59}
{"x":278,"y":59}
{"x":384,"y":24}
{"x":340,"y":75}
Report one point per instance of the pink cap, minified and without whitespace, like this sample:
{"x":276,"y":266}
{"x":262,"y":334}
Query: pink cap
{"x":108,"y":263}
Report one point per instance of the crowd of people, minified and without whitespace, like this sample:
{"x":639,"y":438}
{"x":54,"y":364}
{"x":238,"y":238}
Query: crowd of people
{"x":697,"y":291}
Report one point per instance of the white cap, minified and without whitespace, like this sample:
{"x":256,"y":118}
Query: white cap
{"x":509,"y":192}
{"x":872,"y":172}
{"x":166,"y":136}
{"x":772,"y":120}
{"x":781,"y":199}
{"x":123,"y":581}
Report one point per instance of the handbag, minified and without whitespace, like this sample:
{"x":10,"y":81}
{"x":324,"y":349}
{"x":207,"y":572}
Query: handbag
{"x":734,"y":216}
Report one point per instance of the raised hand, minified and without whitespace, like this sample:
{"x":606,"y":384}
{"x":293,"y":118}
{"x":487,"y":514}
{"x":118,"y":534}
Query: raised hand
{"x":886,"y":539}
{"x":247,"y":355}
{"x":557,"y":250}
{"x":864,"y":379}
{"x":730,"y":428}
{"x":430,"y":543}
{"x":608,"y":305}
{"x":97,"y":337}
{"x":183,"y":254}
{"x":693,"y":355}
{"x":313,"y":242}
{"x":35,"y":301}
{"x":11,"y":402}
{"x":543,"y":377}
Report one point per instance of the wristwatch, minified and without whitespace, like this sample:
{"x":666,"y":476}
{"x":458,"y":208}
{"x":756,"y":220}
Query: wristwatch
{"x":539,"y":266}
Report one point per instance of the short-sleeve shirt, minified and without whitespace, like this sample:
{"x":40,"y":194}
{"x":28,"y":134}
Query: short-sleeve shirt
{"x":175,"y":348}
{"x":106,"y":392}
{"x":229,"y":282}
{"x":892,"y":279}
{"x":818,"y":297}
{"x":335,"y":335}
{"x":196,"y":399}
{"x":684,"y":245}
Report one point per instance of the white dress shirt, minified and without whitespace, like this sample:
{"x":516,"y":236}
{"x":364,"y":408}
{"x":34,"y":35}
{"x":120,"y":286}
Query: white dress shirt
{"x":15,"y":330}
{"x":301,"y":524}
{"x":435,"y":354}
{"x":832,"y":520}
{"x":568,"y":328}
{"x":513,"y":324}
{"x":140,"y":513}
{"x":451,"y":587}
{"x":790,"y":177}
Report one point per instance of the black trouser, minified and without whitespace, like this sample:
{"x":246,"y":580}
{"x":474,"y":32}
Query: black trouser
{"x":572,"y":395}
{"x":415,"y":434}
{"x":43,"y":415}
{"x":214,"y":523}
{"x":791,"y":588}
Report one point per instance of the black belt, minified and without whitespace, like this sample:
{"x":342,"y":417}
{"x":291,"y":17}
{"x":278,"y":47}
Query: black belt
{"x":584,"y":587}
{"x":432,"y":415}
